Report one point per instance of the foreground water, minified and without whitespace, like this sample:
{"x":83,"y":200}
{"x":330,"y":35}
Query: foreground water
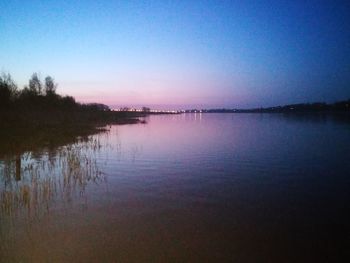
{"x":183,"y":188}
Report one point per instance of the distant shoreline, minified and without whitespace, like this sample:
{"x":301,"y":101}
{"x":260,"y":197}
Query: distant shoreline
{"x":318,"y":107}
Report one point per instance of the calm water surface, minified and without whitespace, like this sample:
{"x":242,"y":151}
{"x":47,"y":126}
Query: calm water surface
{"x":183,"y":188}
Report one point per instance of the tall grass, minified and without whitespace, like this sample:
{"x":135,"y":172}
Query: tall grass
{"x":30,"y":183}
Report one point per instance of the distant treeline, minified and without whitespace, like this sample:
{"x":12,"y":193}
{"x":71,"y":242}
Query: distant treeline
{"x":38,"y":106}
{"x":36,"y":117}
{"x":38,"y":95}
{"x":340,"y":106}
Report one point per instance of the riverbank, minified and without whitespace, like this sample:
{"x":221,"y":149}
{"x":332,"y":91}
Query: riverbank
{"x":30,"y":130}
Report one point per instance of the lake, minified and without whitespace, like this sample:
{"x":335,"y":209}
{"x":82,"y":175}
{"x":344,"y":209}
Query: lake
{"x":183,"y":188}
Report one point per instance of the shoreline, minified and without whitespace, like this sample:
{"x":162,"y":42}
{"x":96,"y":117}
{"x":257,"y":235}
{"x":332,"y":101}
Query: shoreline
{"x":22,"y":131}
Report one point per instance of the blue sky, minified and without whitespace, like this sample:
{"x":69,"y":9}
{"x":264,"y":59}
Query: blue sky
{"x":177,"y":54}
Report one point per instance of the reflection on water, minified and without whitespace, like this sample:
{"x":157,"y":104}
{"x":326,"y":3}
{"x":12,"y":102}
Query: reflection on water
{"x":31,"y":182}
{"x":183,"y":188}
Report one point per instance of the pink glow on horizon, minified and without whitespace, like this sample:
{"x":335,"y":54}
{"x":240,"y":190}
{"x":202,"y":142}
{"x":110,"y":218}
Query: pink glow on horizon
{"x":160,"y":102}
{"x":164,"y":88}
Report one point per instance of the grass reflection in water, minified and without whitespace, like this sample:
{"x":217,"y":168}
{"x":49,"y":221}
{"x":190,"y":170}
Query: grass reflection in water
{"x":32,"y":182}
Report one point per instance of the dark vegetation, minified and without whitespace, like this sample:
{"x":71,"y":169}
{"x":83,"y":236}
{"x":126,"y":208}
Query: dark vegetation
{"x":37,"y":115}
{"x":38,"y":104}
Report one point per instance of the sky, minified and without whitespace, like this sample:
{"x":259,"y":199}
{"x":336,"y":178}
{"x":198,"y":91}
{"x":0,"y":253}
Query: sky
{"x":181,"y":54}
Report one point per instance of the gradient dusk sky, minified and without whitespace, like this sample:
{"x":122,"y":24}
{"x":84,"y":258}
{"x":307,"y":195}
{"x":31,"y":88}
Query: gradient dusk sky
{"x":174,"y":54}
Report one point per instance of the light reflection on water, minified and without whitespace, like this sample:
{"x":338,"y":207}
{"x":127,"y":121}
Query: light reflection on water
{"x":182,"y":188}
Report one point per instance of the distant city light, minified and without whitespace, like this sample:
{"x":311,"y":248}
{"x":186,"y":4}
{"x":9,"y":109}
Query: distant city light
{"x":150,"y":110}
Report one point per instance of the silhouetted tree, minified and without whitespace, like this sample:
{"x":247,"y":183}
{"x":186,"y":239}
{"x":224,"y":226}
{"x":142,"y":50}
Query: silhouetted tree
{"x":25,"y":92}
{"x":68,"y":102}
{"x":50,"y":86}
{"x":35,"y":85}
{"x":8,"y":90}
